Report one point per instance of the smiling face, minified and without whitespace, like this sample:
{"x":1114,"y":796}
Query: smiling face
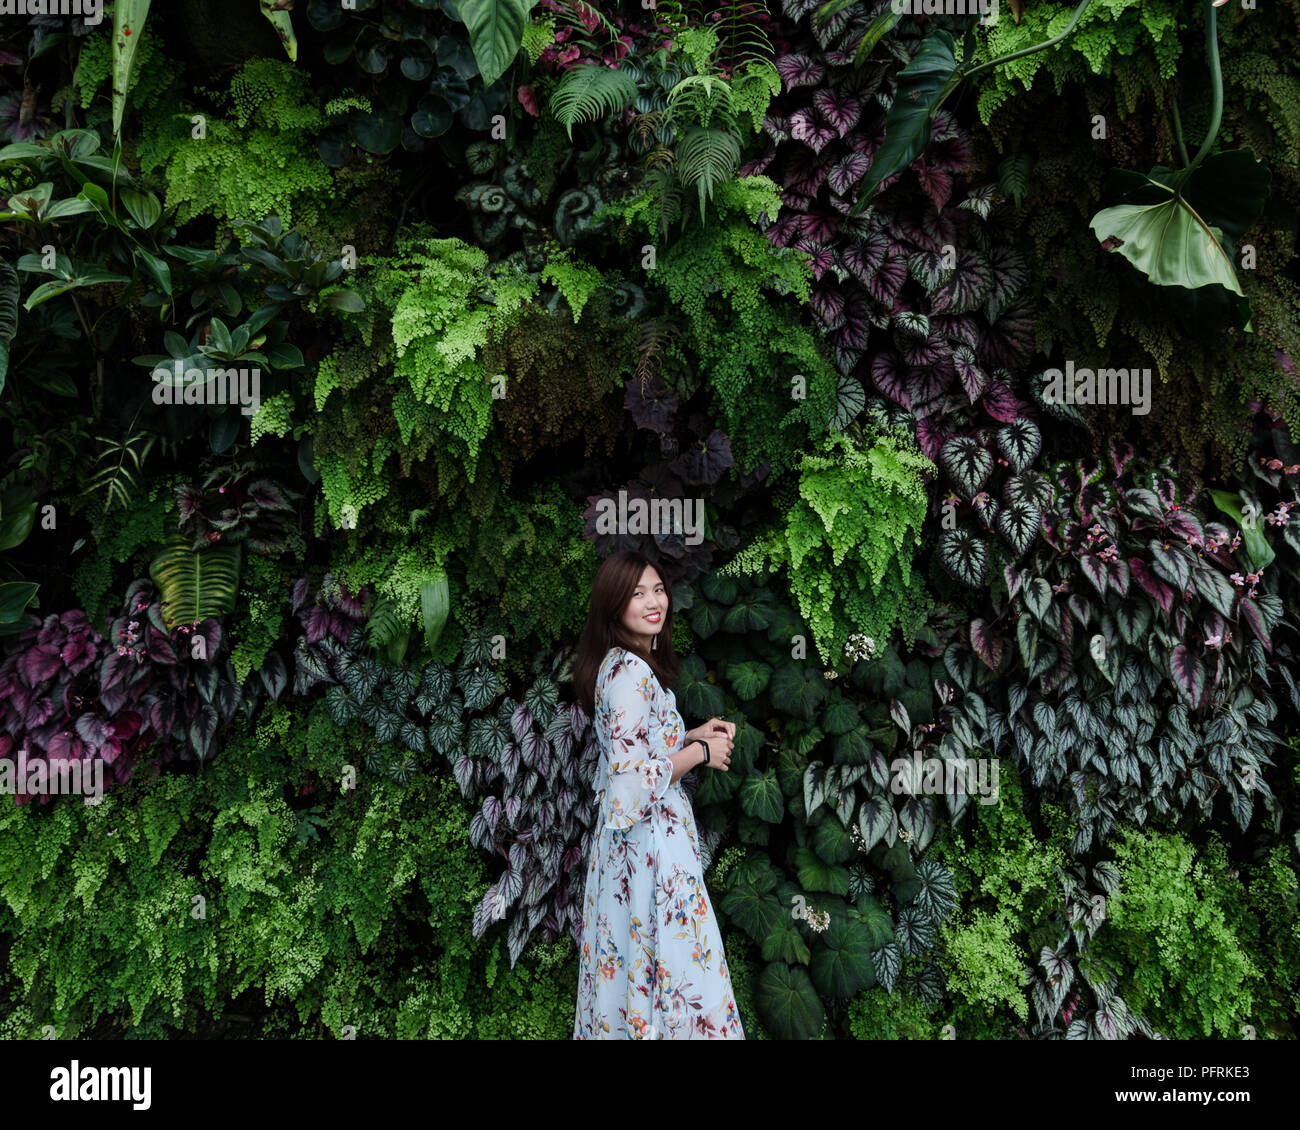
{"x":646,"y":611}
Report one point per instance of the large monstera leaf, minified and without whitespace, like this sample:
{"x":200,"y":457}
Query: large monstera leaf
{"x":195,"y":586}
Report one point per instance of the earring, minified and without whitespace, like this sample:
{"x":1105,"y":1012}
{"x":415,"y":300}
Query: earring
{"x":653,"y":641}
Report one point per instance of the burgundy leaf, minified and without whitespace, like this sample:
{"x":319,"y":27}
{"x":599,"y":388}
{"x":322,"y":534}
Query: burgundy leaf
{"x":890,"y":377}
{"x":654,"y":408}
{"x":777,"y":128}
{"x":1001,"y":403}
{"x":863,"y":259}
{"x":1010,"y":273}
{"x":1155,"y":588}
{"x":799,"y":70}
{"x":885,"y":284}
{"x":986,"y":644}
{"x":1188,"y":675}
{"x":857,"y":323}
{"x":805,"y":173}
{"x":268,"y":496}
{"x":842,"y":112}
{"x":973,"y":379}
{"x":1095,"y":570}
{"x":822,"y":257}
{"x":936,"y":182}
{"x":40,"y":663}
{"x":1255,"y":621}
{"x":810,"y":128}
{"x":930,"y":437}
{"x":706,"y":462}
{"x":316,"y":624}
{"x":786,"y":229}
{"x":828,"y":306}
{"x":819,"y":226}
{"x":1118,"y":575}
{"x":759,"y":164}
{"x":847,"y":172}
{"x":969,"y":285}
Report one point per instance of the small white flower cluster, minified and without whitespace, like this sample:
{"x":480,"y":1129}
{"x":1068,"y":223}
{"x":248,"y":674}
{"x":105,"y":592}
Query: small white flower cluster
{"x":860,"y":647}
{"x":858,"y":838}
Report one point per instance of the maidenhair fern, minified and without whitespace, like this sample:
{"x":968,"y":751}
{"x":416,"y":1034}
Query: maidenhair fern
{"x":1108,"y":32}
{"x":847,"y":543}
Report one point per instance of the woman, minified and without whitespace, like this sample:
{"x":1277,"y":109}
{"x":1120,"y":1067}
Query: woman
{"x":652,"y":964}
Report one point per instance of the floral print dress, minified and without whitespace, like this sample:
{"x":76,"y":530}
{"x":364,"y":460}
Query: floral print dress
{"x":651,"y":964}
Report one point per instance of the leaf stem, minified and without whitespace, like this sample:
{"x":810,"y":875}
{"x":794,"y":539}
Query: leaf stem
{"x":1216,"y":83}
{"x":1074,"y":19}
{"x":1178,"y":135}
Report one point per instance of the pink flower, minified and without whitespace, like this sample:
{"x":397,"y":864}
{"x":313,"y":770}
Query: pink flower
{"x":528,"y":99}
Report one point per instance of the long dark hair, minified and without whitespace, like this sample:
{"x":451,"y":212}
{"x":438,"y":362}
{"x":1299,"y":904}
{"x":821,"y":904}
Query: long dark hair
{"x":612,"y":589}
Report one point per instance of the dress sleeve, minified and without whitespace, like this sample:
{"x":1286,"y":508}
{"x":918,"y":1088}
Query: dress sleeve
{"x":640,"y":770}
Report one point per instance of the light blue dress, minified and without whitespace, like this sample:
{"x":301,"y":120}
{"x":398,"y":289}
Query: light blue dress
{"x":651,"y":964}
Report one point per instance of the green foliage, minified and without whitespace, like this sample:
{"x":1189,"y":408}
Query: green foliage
{"x":849,"y":540}
{"x":271,"y":125}
{"x":875,"y":1015}
{"x":1007,"y":889}
{"x":195,"y":585}
{"x":143,"y":527}
{"x":1169,"y":936}
{"x":361,"y":925}
{"x":589,"y":92}
{"x":431,"y":308}
{"x":1108,"y":35}
{"x":756,"y":353}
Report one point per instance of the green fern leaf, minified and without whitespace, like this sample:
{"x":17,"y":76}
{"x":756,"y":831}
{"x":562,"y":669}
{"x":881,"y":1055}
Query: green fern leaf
{"x":590,"y":92}
{"x":707,"y":158}
{"x":8,"y":301}
{"x":1013,"y":176}
{"x":195,"y":586}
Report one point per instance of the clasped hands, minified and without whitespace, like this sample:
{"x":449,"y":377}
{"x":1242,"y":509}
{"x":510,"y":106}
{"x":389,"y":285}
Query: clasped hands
{"x":720,"y":736}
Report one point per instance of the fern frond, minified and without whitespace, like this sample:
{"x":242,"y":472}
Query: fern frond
{"x":644,"y":127}
{"x":665,"y":193}
{"x":590,"y":92}
{"x":707,"y":158}
{"x":573,"y":14}
{"x":744,"y":42}
{"x":8,"y":302}
{"x":385,"y":624}
{"x":1013,"y":176}
{"x":677,"y":17}
{"x":119,"y":466}
{"x":699,"y":100}
{"x":660,"y":158}
{"x":653,"y":342}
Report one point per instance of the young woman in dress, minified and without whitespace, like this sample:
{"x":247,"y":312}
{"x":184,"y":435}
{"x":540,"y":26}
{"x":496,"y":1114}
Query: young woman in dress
{"x":651,"y":963}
